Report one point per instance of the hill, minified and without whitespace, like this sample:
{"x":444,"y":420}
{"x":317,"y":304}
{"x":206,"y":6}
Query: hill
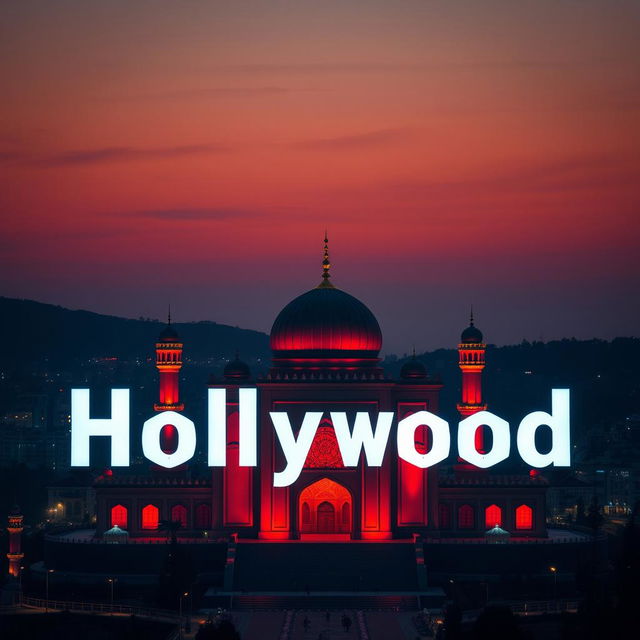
{"x":33,"y":331}
{"x":602,"y":375}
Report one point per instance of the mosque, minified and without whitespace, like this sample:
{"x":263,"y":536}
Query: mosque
{"x":325,"y":354}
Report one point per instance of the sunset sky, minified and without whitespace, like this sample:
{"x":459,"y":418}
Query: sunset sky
{"x":194,"y":152}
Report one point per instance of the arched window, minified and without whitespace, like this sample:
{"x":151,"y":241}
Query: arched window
{"x":203,"y":516}
{"x":306,"y":513}
{"x":119,"y":516}
{"x":493,"y":516}
{"x":524,"y":517}
{"x":179,"y":514}
{"x":444,"y":513}
{"x":150,"y":516}
{"x":465,"y":517}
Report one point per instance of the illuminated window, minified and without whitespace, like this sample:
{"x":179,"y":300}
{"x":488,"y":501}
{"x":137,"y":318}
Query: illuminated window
{"x":150,"y":516}
{"x":465,"y":517}
{"x":179,"y":514}
{"x":119,"y":516}
{"x":524,"y":517}
{"x":444,"y":516}
{"x":203,"y":516}
{"x":493,"y":516}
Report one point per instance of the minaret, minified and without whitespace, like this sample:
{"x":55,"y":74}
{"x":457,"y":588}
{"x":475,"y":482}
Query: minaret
{"x":15,"y":555}
{"x":169,"y":363}
{"x":471,"y":350}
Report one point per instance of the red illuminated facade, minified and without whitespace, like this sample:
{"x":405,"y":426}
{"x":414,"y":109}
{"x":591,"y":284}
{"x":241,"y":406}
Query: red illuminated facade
{"x":325,"y":347}
{"x":471,"y":352}
{"x":14,"y":529}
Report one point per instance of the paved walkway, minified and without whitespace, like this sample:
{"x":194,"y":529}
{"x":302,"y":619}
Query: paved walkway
{"x":322,"y":627}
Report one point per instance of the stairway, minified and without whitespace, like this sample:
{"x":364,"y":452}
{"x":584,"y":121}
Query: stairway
{"x":313,"y":567}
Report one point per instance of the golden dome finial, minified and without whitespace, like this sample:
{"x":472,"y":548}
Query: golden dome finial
{"x":326,"y":264}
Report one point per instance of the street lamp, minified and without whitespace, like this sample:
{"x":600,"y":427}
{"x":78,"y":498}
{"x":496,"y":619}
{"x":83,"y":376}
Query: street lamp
{"x":111,"y":582}
{"x":486,"y":592}
{"x":182,"y":595}
{"x":46,"y":581}
{"x":554,"y":570}
{"x":187,"y":626}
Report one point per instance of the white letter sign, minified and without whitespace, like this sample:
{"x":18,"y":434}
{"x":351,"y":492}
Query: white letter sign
{"x":83,"y":427}
{"x":558,"y":421}
{"x":407,"y":444}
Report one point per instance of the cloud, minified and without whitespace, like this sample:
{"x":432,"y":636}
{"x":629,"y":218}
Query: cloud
{"x":377,"y":138}
{"x":103,"y":155}
{"x":321,"y":68}
{"x":183,"y":214}
{"x":615,"y":173}
{"x":7,"y":157}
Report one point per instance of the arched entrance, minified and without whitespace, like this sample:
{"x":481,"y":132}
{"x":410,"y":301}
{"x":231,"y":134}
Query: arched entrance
{"x":325,"y":508}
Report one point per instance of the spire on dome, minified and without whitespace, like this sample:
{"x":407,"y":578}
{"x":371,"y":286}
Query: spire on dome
{"x":236,"y":369}
{"x":326,"y":265}
{"x":471,"y":334}
{"x":413,"y":369}
{"x":169,"y":334}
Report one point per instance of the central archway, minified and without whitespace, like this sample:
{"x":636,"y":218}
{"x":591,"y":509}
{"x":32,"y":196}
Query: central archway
{"x":325,"y":508}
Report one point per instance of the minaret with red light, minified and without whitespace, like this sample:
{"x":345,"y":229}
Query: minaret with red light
{"x":14,"y":528}
{"x":169,"y":363}
{"x":471,"y":351}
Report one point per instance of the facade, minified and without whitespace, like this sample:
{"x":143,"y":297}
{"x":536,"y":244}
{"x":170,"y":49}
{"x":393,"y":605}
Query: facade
{"x":325,"y":346}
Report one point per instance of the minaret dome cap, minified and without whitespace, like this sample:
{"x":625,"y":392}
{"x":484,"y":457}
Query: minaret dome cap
{"x":471,"y":335}
{"x":237,"y":370}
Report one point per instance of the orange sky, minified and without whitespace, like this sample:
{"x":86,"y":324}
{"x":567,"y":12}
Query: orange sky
{"x":477,"y":152}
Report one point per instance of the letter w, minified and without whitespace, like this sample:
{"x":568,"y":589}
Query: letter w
{"x":362,"y":437}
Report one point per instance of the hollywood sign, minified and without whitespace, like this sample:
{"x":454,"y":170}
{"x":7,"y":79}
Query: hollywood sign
{"x":360,"y":436}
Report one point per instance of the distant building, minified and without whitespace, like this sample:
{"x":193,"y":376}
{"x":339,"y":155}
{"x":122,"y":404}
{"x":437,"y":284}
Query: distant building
{"x":613,"y":467}
{"x":35,"y":435}
{"x":566,"y":491}
{"x":70,"y":502}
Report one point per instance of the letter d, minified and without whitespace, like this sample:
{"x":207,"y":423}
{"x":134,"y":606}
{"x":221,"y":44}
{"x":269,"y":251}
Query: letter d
{"x":558,"y":421}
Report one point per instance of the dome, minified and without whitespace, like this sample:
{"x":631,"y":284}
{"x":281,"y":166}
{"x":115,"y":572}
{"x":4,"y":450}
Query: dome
{"x":413,"y":369}
{"x":471,"y":335}
{"x":115,"y":535}
{"x":168,"y":334}
{"x":497,"y":535}
{"x":237,"y":370}
{"x":326,"y":323}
